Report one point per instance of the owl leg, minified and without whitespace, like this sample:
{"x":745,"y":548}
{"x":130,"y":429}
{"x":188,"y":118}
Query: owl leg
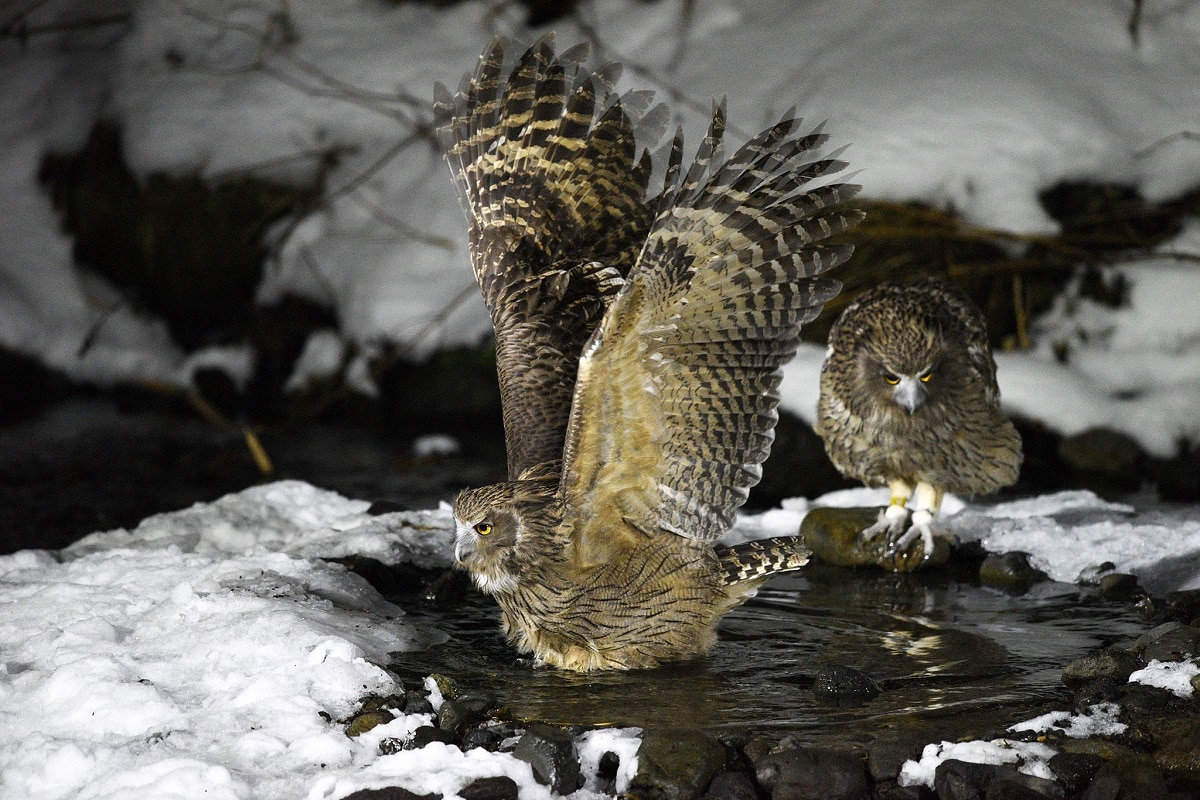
{"x":891,"y":519}
{"x":928,"y":501}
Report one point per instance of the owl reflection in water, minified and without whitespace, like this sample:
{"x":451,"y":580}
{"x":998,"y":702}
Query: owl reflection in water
{"x":909,"y":400}
{"x":639,"y":339}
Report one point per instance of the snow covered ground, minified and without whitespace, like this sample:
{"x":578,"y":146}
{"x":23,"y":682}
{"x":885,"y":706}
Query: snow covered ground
{"x":970,"y":103}
{"x":209,"y":652}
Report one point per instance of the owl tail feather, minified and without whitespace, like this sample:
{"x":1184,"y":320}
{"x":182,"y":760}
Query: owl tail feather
{"x":755,"y":560}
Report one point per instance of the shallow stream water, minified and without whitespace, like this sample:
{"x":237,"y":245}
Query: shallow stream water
{"x":952,"y":657}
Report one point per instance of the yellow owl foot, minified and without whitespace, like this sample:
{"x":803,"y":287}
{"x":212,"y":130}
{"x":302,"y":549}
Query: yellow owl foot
{"x":921,"y":528}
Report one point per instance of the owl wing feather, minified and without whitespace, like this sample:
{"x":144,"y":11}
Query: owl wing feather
{"x":548,"y":174}
{"x":675,"y":401}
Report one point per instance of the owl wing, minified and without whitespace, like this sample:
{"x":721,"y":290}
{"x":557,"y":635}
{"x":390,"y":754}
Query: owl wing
{"x":675,"y":401}
{"x":548,"y":174}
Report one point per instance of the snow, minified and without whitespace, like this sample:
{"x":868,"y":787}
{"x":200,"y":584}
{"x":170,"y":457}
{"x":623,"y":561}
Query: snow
{"x":1098,"y":720}
{"x":1030,"y":758}
{"x":210,"y":652}
{"x":1174,"y":676}
{"x":204,"y":652}
{"x":970,"y":104}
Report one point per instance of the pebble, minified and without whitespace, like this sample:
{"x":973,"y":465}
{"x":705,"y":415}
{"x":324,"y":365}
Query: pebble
{"x":368,"y":720}
{"x":389,"y":793}
{"x":812,"y":773}
{"x":456,"y":716}
{"x":427,"y":734}
{"x":840,"y":683}
{"x":885,"y":757}
{"x":731,"y":785}
{"x":1120,"y":586}
{"x":550,"y":751}
{"x":1075,"y":770}
{"x":1011,"y":571}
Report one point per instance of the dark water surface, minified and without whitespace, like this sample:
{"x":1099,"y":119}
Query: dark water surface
{"x":953,"y":658}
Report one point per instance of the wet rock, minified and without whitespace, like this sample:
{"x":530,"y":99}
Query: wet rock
{"x":1137,"y":698}
{"x":1127,"y":779}
{"x":677,"y":765}
{"x":1104,"y":460}
{"x":365,"y":721}
{"x":839,"y":683}
{"x":885,"y":757}
{"x":1184,"y":606}
{"x":890,"y":790}
{"x":1112,"y":664}
{"x":606,"y":772}
{"x":757,"y":747}
{"x":1075,"y":770}
{"x":445,"y":685}
{"x":1171,"y":641}
{"x":962,"y":780}
{"x":1120,"y":586}
{"x":427,"y":734}
{"x":481,"y":737}
{"x":730,"y":785}
{"x":416,"y":702}
{"x":390,"y":793}
{"x":1178,"y":740}
{"x":810,"y":773}
{"x":1010,"y":571}
{"x":834,"y":536}
{"x":551,"y":753}
{"x":456,"y":716}
{"x":501,"y":787}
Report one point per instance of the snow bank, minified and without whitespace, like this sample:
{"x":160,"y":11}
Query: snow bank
{"x":969,"y":104}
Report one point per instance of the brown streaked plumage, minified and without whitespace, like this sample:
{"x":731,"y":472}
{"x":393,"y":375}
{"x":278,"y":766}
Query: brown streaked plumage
{"x":639,"y":340}
{"x":909,"y":400}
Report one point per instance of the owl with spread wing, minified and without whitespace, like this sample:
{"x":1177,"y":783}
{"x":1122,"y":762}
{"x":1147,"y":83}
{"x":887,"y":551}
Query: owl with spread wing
{"x":909,"y":400}
{"x":639,"y":340}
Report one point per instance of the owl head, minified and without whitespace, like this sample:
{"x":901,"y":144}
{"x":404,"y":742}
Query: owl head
{"x":499,"y":529}
{"x":907,"y":361}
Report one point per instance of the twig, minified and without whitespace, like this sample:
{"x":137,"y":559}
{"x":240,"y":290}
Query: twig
{"x":1179,"y":136}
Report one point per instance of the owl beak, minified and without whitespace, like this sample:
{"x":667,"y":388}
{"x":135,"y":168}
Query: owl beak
{"x":464,"y":545}
{"x":909,"y":393}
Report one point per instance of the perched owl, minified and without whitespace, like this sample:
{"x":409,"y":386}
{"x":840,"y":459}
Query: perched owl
{"x":909,"y":400}
{"x":639,"y":338}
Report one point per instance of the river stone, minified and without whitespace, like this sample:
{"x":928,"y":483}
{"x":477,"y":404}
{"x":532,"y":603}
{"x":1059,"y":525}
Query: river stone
{"x":1171,"y":641}
{"x":1075,"y":770}
{"x":890,"y":790}
{"x":1178,"y":478}
{"x":551,"y":753}
{"x":1112,"y":664}
{"x":1128,"y":779}
{"x":481,"y":737}
{"x":676,"y":765}
{"x":840,"y":682}
{"x":427,"y":734}
{"x":886,"y":757}
{"x":389,"y":793}
{"x":1009,"y":571}
{"x":834,"y":536}
{"x":456,"y":716}
{"x":415,"y":702}
{"x":1177,"y":738}
{"x":368,"y":720}
{"x":1184,"y":605}
{"x":963,"y":780}
{"x":500,"y":787}
{"x":812,"y":773}
{"x":1120,"y":586}
{"x":731,"y":785}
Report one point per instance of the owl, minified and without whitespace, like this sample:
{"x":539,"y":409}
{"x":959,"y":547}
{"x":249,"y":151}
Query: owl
{"x":909,"y":400}
{"x":639,"y":338}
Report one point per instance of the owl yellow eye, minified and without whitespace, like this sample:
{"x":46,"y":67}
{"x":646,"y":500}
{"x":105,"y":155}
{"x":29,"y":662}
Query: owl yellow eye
{"x":925,"y":378}
{"x":483,"y":528}
{"x":891,"y":379}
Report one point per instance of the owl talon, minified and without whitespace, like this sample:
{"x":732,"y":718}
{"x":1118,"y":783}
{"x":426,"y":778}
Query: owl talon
{"x":890,"y":523}
{"x":918,"y":530}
